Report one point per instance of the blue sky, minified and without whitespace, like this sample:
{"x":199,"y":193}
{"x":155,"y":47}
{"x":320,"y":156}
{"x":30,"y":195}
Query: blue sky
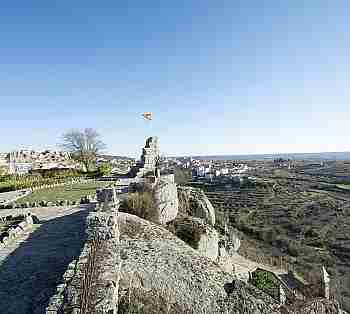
{"x":221,"y":77}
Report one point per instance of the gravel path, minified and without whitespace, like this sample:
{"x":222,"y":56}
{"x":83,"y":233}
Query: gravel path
{"x":32,"y":266}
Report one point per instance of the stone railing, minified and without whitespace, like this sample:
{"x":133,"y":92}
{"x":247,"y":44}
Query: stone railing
{"x":17,"y":225}
{"x":90,"y":283}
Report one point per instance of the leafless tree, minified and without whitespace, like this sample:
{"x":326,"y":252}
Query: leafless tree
{"x":83,"y":145}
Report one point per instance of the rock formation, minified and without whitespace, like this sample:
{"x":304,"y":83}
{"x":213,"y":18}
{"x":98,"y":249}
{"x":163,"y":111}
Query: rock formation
{"x":234,"y":243}
{"x":165,"y":201}
{"x":197,"y":204}
{"x":198,"y":235}
{"x":159,"y":270}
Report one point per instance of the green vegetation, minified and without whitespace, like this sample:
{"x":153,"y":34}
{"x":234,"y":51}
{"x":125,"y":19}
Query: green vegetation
{"x":67,"y":192}
{"x":140,"y":204}
{"x":15,"y":182}
{"x":104,"y":170}
{"x":266,"y":282}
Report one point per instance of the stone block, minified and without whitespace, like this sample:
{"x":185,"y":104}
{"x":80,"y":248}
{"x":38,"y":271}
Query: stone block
{"x":166,"y":202}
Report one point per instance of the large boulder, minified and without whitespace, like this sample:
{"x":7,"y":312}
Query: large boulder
{"x":195,"y":203}
{"x":162,"y":274}
{"x":166,"y":203}
{"x":196,"y":233}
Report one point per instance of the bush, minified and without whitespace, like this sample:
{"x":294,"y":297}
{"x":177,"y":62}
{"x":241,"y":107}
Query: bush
{"x":140,"y":204}
{"x":104,"y":169}
{"x":266,"y":282}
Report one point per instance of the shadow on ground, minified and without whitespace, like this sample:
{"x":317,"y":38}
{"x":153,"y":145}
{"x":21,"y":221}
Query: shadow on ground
{"x":38,"y":264}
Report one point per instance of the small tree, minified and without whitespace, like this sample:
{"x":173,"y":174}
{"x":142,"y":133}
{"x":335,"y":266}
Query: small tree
{"x":104,"y":169}
{"x":83,"y":146}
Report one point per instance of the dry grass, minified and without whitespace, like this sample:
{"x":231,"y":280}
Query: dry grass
{"x":140,"y":204}
{"x":138,"y":300}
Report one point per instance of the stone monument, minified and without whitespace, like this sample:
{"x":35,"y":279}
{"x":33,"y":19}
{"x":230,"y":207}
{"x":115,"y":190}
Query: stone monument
{"x":149,"y":159}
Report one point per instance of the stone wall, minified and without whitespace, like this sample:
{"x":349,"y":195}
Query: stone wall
{"x":90,"y":284}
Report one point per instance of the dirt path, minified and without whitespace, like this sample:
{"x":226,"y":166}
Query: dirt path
{"x":32,"y":266}
{"x":243,"y":266}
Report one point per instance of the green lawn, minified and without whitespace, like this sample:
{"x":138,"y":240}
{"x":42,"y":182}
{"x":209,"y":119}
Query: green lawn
{"x":65,"y":192}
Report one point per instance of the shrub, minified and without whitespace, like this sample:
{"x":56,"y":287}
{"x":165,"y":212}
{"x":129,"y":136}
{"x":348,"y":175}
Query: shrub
{"x":140,"y":204}
{"x":266,"y":282}
{"x":104,"y":169}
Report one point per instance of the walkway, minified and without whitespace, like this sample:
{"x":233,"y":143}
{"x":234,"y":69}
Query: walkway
{"x":31,"y":267}
{"x":244,"y":266}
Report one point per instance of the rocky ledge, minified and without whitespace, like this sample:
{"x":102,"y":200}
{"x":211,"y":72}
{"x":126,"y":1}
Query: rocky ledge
{"x":158,"y":269}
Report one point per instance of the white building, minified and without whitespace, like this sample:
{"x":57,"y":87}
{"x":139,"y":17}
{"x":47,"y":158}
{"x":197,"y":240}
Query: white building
{"x":224,"y":171}
{"x":23,"y":168}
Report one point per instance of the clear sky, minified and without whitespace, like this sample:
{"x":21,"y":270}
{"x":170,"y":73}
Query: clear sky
{"x":221,"y":77}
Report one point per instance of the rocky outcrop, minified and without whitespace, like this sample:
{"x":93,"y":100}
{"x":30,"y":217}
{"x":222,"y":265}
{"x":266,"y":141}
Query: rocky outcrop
{"x":162,"y":274}
{"x":196,"y":204}
{"x":166,"y":202}
{"x":315,"y":306}
{"x":233,"y":240}
{"x":198,"y":235}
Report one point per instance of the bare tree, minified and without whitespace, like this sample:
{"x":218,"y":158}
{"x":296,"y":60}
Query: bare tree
{"x":83,"y":145}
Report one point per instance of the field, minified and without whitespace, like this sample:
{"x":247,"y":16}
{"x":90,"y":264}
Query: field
{"x":303,"y":218}
{"x":344,"y":186}
{"x":66,"y":192}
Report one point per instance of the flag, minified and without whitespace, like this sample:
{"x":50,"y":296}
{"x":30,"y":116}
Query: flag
{"x":147,"y":115}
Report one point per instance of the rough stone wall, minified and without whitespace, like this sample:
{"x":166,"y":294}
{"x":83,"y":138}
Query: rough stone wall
{"x":90,"y":284}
